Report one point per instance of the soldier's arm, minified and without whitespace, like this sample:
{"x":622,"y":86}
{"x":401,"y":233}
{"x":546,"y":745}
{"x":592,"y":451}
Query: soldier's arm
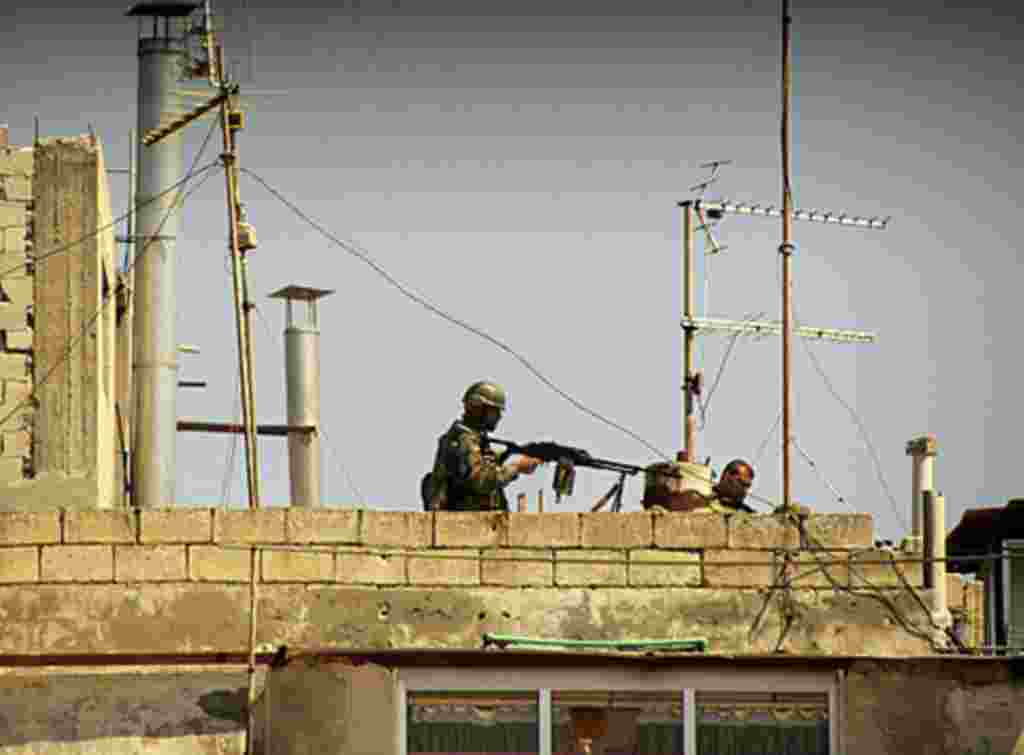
{"x":476,"y":471}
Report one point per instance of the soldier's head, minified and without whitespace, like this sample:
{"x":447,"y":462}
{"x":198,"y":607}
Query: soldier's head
{"x":737,"y":479}
{"x":483,"y":404}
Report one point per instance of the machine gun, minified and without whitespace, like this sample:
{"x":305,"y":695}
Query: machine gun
{"x":568,"y":458}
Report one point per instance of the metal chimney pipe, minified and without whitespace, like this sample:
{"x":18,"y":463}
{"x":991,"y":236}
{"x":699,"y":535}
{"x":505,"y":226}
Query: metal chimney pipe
{"x":302,"y":381}
{"x":162,"y":58}
{"x":934,"y":506}
{"x":923,"y":450}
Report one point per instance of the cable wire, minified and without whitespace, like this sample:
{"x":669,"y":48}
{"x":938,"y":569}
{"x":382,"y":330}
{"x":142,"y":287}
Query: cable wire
{"x":108,"y":297}
{"x":36,"y":258}
{"x":364,"y":256}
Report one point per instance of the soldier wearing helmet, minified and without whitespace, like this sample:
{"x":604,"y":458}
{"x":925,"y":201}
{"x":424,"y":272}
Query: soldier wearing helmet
{"x":466,"y":475}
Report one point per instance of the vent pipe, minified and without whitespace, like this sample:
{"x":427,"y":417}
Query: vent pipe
{"x":302,"y":381}
{"x":922,"y":450}
{"x":162,"y":61}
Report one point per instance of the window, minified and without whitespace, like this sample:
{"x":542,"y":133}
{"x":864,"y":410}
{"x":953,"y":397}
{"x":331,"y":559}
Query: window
{"x":618,"y":723}
{"x":752,"y":723}
{"x":473,"y":722}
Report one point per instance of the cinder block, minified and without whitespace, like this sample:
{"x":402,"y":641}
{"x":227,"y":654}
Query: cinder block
{"x":17,"y":340}
{"x":322,"y":525}
{"x":13,"y":366}
{"x":16,"y":161}
{"x":259,"y":526}
{"x":590,"y":568}
{"x":12,"y":214}
{"x":518,"y":567}
{"x":359,"y":567}
{"x":28,"y":528}
{"x":149,"y":563}
{"x":85,"y":526}
{"x":884,"y":568}
{"x":840,"y":530}
{"x":16,"y":188}
{"x":14,"y":246}
{"x":175,"y":526}
{"x":743,"y":568}
{"x":409,"y":529}
{"x":753,"y":531}
{"x":955,"y":590}
{"x":445,"y":567}
{"x":535,"y":530}
{"x":19,"y":565}
{"x":466,"y":529}
{"x":675,"y":529}
{"x":297,"y":566}
{"x":17,"y":443}
{"x":654,"y":568}
{"x":213,"y":563}
{"x":608,"y":530}
{"x":12,"y":468}
{"x":14,"y":392}
{"x":17,"y":292}
{"x":78,"y":563}
{"x":814,"y":569}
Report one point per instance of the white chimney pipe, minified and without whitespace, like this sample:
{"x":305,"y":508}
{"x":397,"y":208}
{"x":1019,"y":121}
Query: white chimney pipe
{"x":923,"y":450}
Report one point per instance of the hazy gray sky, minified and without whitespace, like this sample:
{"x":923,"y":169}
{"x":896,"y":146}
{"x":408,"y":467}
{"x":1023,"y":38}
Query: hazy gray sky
{"x":519,"y":165}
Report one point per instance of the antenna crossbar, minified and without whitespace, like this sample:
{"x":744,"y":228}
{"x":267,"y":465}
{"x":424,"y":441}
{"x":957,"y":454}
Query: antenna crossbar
{"x":774,"y":328}
{"x":725,"y":207}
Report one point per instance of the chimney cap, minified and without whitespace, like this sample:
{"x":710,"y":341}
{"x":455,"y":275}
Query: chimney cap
{"x":301,"y":293}
{"x":923,"y":445}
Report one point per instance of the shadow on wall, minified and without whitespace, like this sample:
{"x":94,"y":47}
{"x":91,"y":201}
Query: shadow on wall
{"x":150,"y":708}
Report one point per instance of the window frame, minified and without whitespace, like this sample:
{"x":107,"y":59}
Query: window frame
{"x":668,"y":679}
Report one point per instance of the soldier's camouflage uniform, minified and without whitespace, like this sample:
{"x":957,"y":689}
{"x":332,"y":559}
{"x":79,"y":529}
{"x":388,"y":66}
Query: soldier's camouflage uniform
{"x":467,"y":469}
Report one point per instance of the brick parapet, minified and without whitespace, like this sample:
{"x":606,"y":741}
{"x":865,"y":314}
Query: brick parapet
{"x":393,"y":549}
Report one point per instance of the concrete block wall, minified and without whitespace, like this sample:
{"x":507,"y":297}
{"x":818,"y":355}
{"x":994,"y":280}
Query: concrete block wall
{"x":16,"y":299}
{"x":170,"y":580}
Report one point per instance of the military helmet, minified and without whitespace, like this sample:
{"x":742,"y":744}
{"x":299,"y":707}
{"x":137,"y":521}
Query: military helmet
{"x":486,"y":393}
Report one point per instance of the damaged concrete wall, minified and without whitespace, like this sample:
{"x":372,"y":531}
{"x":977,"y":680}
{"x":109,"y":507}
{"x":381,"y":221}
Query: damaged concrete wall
{"x":16,"y":243}
{"x":935,"y":707}
{"x":313,"y":707}
{"x":72,"y":450}
{"x":148,"y":711}
{"x":177,"y":580}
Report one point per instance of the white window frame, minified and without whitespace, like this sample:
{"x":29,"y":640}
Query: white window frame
{"x":615,"y":679}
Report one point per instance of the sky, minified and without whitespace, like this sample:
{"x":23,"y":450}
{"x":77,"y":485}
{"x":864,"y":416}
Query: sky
{"x":519,"y":166}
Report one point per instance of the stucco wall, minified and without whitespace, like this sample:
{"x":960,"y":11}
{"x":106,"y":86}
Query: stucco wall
{"x":935,"y":707}
{"x":178,"y":580}
{"x":127,"y":712}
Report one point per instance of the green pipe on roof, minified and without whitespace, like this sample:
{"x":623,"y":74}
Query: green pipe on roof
{"x":696,"y":644}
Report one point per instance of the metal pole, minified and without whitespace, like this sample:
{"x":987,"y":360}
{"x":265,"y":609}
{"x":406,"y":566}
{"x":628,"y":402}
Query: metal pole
{"x":241,"y":319}
{"x":155,"y":351}
{"x":689,"y":333}
{"x":786,"y":250}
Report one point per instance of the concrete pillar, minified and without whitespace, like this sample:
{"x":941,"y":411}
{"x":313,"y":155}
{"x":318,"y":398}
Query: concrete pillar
{"x":302,"y":380}
{"x":923,"y":450}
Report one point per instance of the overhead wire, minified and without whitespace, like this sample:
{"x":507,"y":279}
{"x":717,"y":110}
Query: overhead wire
{"x":36,"y":258}
{"x":706,"y":404}
{"x":108,"y":296}
{"x":361,"y":254}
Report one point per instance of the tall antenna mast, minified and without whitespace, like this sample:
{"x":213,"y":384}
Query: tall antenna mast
{"x":786,"y":250}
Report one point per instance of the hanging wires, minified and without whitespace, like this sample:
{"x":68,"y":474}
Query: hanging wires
{"x":361,"y":254}
{"x":108,"y":296}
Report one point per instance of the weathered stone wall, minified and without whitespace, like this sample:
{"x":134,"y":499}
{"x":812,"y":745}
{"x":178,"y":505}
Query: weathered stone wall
{"x":147,"y":711}
{"x":178,"y":580}
{"x":967,"y":599}
{"x":935,"y":707}
{"x":16,"y":241}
